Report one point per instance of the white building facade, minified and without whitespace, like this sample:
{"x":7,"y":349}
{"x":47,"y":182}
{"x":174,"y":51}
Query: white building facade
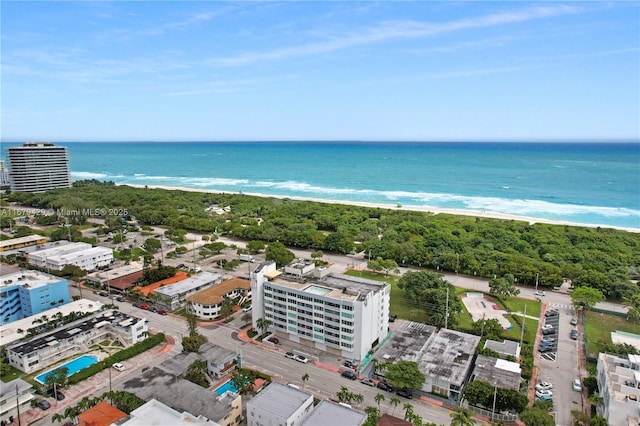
{"x":279,"y":405}
{"x":81,"y":255}
{"x":337,"y":313}
{"x":619,"y":385}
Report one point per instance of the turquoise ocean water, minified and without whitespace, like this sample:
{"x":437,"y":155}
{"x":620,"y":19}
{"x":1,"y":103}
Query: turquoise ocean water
{"x":582,"y":183}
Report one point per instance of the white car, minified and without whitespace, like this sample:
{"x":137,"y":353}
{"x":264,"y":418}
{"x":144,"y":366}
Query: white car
{"x":544,"y":386}
{"x":118,"y":366}
{"x":540,"y":293}
{"x":301,"y":359}
{"x":577,"y":386}
{"x":543,"y":394}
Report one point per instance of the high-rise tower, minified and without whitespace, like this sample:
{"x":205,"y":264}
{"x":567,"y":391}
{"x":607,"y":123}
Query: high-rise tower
{"x":38,"y":167}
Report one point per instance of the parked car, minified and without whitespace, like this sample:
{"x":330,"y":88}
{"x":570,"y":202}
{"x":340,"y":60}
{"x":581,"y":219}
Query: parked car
{"x":551,"y":313}
{"x":544,"y":349}
{"x":540,"y":293}
{"x":161,"y":312}
{"x":548,"y":329}
{"x":405,"y":393}
{"x":545,"y":398}
{"x":541,"y":393}
{"x":349,"y":374}
{"x":384,"y":386}
{"x":43,"y":404}
{"x":577,"y":386}
{"x":180,"y":266}
{"x":367,"y":381}
{"x":544,"y":386}
{"x":118,"y":366}
{"x":274,"y":340}
{"x":120,"y":299}
{"x":301,"y":359}
{"x":103,"y":294}
{"x":574,"y":334}
{"x":136,"y":305}
{"x":144,"y":306}
{"x":548,"y":339}
{"x":57,"y":394}
{"x":574,"y":321}
{"x":290,"y":355}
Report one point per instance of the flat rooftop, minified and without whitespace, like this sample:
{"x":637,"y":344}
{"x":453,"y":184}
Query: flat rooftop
{"x":115,"y":273}
{"x":334,"y":286}
{"x":8,"y":332}
{"x":113,"y":317}
{"x":198,"y":280}
{"x":22,"y":240}
{"x":28,"y":279}
{"x":498,"y":372}
{"x":328,"y":413}
{"x":448,"y":355}
{"x":60,"y":250}
{"x":179,"y":394}
{"x":406,"y":343}
{"x":280,"y":400}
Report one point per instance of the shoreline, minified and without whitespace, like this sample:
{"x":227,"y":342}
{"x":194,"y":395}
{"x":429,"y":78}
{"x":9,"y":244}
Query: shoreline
{"x":424,"y":209}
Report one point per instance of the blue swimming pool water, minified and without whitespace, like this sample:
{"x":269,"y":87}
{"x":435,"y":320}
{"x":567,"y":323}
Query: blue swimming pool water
{"x":228,"y":386}
{"x":74,"y":366}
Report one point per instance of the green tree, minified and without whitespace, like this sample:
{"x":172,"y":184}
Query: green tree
{"x":378,"y":399}
{"x":152,"y":245}
{"x":263,"y":324}
{"x":279,"y":254}
{"x":598,"y":421}
{"x":394,"y":402}
{"x":503,"y":287}
{"x":373,"y":416}
{"x":405,"y":375}
{"x":429,"y":289}
{"x":586,"y":297}
{"x":243,"y":380}
{"x":490,"y":328}
{"x":305,"y":378}
{"x":255,"y":246}
{"x":633,"y":307}
{"x":536,"y":417}
{"x":462,"y":417}
{"x":197,"y":373}
{"x":227,"y":307}
{"x":479,"y":393}
{"x":57,"y":377}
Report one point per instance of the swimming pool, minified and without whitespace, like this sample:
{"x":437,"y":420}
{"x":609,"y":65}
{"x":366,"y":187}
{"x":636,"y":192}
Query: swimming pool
{"x":74,"y":366}
{"x":227,"y":386}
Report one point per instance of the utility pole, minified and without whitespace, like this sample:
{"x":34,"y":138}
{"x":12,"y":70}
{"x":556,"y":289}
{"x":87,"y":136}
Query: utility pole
{"x":524,"y":321}
{"x":446,"y":310}
{"x":18,"y":406}
{"x":482,"y":330}
{"x":537,"y":273}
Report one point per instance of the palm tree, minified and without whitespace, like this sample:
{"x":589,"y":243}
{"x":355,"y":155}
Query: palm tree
{"x":357,"y":398}
{"x":343,"y":394}
{"x":395,"y":401}
{"x":462,"y":417}
{"x":263,"y":324}
{"x":408,"y":411}
{"x":305,"y":377}
{"x":57,"y":417}
{"x":416,"y":420}
{"x":378,"y":398}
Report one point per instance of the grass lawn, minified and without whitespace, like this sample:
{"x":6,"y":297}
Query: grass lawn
{"x":598,"y":328}
{"x":11,"y":373}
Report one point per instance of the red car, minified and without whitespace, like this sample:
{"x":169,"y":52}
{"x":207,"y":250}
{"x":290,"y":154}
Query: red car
{"x":143,"y":306}
{"x":273,"y":340}
{"x":162,"y":312}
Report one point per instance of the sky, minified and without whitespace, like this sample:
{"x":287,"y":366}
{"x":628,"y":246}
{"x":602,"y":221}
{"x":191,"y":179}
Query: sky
{"x":325,"y":70}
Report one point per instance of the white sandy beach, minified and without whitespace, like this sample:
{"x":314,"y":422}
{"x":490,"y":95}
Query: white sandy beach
{"x":390,"y":206}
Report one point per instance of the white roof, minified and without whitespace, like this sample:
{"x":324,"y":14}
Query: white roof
{"x":503,"y":364}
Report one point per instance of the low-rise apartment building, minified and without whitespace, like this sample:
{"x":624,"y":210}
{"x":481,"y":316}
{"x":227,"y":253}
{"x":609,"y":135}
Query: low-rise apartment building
{"x":337,"y":313}
{"x":279,"y":404}
{"x":81,"y":255}
{"x":206,"y":304}
{"x":619,"y":385}
{"x":21,"y":242}
{"x":27,"y":293}
{"x":174,"y":296}
{"x":77,"y":337}
{"x":15,"y":397}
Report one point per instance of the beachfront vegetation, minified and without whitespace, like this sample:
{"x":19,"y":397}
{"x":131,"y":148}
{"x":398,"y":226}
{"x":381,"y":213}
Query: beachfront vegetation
{"x":600,"y":258}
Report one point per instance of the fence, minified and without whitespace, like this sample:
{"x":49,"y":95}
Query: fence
{"x":502,"y":417}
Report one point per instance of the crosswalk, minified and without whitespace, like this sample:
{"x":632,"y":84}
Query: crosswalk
{"x":564,"y":306}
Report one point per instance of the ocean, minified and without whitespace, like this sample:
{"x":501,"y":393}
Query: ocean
{"x":580,"y":183}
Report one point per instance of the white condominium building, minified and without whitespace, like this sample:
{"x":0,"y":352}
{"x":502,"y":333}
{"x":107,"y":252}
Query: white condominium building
{"x":337,"y":313}
{"x":81,"y":255}
{"x":38,"y":167}
{"x":619,"y":386}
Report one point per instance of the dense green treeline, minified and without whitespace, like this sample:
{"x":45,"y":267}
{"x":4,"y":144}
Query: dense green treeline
{"x":605,"y":259}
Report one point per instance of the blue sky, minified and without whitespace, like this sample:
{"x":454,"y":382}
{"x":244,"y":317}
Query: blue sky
{"x":113,"y":71}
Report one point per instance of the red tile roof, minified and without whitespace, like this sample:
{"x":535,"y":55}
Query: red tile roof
{"x":102,"y":414}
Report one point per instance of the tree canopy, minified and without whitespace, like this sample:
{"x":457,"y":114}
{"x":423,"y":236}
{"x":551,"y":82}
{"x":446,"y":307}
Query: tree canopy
{"x":600,"y":258}
{"x":429,"y":289}
{"x":587,"y":297}
{"x":405,"y":375}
